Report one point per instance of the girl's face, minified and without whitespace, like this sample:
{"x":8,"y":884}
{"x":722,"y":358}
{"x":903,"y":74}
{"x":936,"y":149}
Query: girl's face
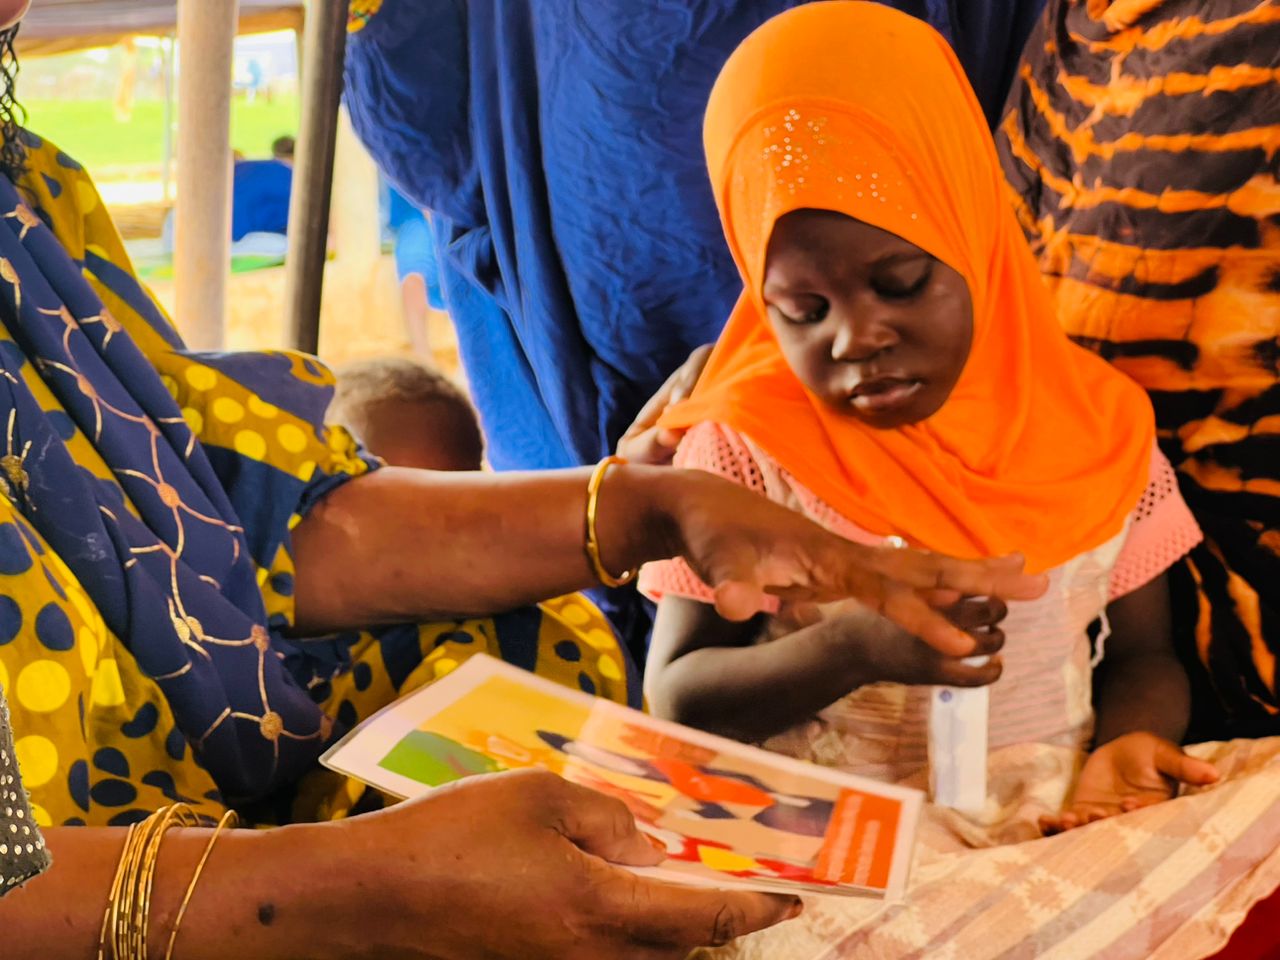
{"x":870,"y":323}
{"x":11,"y":11}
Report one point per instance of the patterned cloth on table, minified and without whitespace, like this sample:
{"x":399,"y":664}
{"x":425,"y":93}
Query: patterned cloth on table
{"x":1170,"y":882}
{"x":146,"y":575}
{"x":1142,"y":143}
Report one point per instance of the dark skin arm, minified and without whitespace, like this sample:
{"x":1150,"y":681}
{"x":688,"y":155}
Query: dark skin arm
{"x":512,"y":866}
{"x":1140,"y":683}
{"x":403,"y":545}
{"x":1142,"y":702}
{"x":710,"y":673}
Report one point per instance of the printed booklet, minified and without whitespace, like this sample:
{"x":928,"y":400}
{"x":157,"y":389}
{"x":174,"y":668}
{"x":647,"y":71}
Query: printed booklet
{"x":729,"y":815}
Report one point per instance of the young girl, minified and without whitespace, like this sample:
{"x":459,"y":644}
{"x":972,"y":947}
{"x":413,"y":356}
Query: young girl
{"x":894,"y":369}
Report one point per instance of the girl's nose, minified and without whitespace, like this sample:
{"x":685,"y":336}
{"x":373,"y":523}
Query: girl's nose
{"x":861,"y":337}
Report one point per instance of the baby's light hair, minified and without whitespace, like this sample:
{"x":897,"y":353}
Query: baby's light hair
{"x":364,"y":383}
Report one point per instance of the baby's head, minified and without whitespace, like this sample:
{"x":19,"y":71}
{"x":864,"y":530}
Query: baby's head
{"x":409,"y":415}
{"x":871,"y":324}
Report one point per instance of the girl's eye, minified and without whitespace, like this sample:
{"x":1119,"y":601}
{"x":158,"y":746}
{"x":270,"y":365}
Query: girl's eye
{"x":892,"y":288}
{"x":816,"y":315}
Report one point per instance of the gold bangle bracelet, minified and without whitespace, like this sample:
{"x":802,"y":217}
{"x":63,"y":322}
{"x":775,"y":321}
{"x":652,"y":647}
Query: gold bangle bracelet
{"x":592,"y":543}
{"x":110,"y":917}
{"x":229,"y":819}
{"x":127,"y":918}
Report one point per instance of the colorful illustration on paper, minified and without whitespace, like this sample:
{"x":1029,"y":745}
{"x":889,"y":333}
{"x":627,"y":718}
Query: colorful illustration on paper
{"x":734,"y":812}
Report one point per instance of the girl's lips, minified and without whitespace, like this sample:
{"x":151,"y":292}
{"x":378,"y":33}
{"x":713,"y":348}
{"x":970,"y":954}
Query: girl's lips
{"x":883,"y":395}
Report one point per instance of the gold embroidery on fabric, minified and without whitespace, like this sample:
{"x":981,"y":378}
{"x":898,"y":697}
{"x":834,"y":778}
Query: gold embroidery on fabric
{"x":10,"y":276}
{"x":23,"y":214}
{"x":13,"y":464}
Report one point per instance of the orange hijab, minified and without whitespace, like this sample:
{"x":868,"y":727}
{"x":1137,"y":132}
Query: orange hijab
{"x":1042,"y":447}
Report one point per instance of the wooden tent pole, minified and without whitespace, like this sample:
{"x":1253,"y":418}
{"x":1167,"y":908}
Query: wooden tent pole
{"x":202,"y":238}
{"x":166,"y":62}
{"x":324,"y":46}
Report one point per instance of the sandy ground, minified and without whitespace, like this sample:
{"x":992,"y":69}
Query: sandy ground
{"x":361,"y":314}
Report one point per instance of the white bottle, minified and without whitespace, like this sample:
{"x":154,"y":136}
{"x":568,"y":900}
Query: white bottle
{"x":958,"y":731}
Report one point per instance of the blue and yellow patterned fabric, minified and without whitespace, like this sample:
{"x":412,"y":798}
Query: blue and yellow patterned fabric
{"x":146,"y":498}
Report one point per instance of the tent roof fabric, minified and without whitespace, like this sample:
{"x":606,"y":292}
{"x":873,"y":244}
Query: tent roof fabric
{"x":58,"y":26}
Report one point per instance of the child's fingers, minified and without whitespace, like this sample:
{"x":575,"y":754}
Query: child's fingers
{"x":1055,"y":823}
{"x":670,"y":438}
{"x":975,"y":613}
{"x":989,"y":642}
{"x":1087,"y":813}
{"x":1171,"y":761}
{"x":801,"y":614}
{"x":1138,"y":801}
{"x":650,"y":446}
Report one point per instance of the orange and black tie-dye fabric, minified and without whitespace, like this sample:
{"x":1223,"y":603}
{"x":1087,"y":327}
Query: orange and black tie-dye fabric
{"x":1142,"y":143}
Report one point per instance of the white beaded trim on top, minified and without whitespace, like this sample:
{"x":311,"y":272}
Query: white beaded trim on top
{"x":804,"y":151}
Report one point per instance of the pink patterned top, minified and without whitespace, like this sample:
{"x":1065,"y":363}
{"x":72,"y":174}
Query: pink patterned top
{"x":1044,"y":694}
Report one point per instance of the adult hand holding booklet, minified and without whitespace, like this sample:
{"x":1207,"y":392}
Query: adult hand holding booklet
{"x":727,"y":814}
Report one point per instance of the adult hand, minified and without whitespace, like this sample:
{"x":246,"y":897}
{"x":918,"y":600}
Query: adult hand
{"x":884,"y":652}
{"x":645,"y":441}
{"x":1127,"y":773}
{"x":746,"y":547}
{"x":523,"y":866}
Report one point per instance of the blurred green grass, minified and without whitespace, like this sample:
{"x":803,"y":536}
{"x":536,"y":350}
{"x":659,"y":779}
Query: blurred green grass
{"x":89,"y":131}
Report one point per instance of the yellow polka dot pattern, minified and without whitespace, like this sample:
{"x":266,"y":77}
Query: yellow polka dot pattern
{"x":223,"y":413}
{"x":37,"y":760}
{"x":46,"y":689}
{"x":94,"y":728}
{"x":565,"y":624}
{"x":227,"y":410}
{"x":250,"y":443}
{"x":575,"y":622}
{"x":200,"y":378}
{"x":43,"y":686}
{"x":291,"y":437}
{"x":279,"y":605}
{"x":260,"y":408}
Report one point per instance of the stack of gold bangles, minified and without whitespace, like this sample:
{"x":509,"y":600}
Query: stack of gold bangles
{"x":125,"y":924}
{"x":592,"y":543}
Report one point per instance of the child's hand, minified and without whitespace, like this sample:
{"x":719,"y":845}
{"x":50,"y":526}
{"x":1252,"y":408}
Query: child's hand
{"x":1132,"y":771}
{"x":645,"y":441}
